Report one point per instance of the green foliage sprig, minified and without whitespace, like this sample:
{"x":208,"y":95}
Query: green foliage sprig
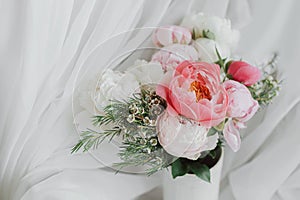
{"x":135,"y":120}
{"x":269,"y":86}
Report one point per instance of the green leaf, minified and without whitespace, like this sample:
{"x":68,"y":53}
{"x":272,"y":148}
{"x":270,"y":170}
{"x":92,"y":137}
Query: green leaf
{"x":201,"y":170}
{"x":221,"y":60}
{"x":211,"y":132}
{"x":212,"y":154}
{"x":218,"y":54}
{"x":77,"y":146}
{"x":179,"y":168}
{"x":208,"y":34}
{"x":220,"y":126}
{"x":229,"y":76}
{"x":227,"y":66}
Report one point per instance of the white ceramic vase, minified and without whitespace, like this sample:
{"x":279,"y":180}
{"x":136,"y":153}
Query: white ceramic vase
{"x":190,"y":187}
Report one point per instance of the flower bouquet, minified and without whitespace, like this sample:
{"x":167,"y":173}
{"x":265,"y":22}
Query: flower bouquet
{"x":178,"y":110}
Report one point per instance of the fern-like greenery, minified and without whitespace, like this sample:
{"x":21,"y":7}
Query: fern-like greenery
{"x":92,"y":139}
{"x":133,"y":119}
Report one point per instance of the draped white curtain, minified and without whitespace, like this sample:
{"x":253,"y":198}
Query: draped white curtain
{"x":45,"y":43}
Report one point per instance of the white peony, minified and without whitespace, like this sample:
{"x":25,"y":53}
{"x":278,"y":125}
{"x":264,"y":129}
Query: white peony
{"x":116,"y":85}
{"x":206,"y":49}
{"x":183,"y":138}
{"x":113,"y":85}
{"x":146,"y":72}
{"x":221,"y":28}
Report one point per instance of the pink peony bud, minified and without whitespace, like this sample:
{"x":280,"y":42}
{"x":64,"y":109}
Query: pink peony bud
{"x":244,"y":72}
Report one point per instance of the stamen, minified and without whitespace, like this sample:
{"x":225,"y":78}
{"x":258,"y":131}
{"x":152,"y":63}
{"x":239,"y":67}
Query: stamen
{"x":201,"y":91}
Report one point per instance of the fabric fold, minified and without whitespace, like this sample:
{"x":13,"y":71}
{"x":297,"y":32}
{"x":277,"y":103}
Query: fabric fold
{"x":272,"y":165}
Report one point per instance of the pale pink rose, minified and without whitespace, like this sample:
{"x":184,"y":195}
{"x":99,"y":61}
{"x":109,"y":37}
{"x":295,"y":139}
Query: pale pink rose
{"x":169,"y":57}
{"x":181,"y":138}
{"x":232,"y":135}
{"x":244,"y":72}
{"x":241,"y":104}
{"x":194,"y":91}
{"x":166,"y":35}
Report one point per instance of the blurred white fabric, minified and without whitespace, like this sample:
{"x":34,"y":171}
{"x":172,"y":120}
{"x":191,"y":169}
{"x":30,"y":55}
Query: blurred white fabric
{"x":44,"y":43}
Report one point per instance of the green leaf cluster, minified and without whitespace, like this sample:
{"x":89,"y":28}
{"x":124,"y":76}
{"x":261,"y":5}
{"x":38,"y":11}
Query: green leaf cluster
{"x":200,"y":167}
{"x":180,"y":168}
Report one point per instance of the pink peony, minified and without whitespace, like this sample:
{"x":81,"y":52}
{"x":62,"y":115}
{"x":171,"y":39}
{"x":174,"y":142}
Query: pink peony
{"x":241,"y":104}
{"x":244,"y":73}
{"x":167,"y":35}
{"x":170,"y":56}
{"x":194,"y":91}
{"x":241,"y":108}
{"x":181,"y":138}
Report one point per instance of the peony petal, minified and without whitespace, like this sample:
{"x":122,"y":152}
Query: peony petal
{"x":164,"y":92}
{"x":180,"y":105}
{"x":251,"y":112}
{"x":171,"y":56}
{"x":232,"y":135}
{"x":212,"y":142}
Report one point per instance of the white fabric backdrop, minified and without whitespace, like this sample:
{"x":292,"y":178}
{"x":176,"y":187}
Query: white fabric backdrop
{"x":45,"y":42}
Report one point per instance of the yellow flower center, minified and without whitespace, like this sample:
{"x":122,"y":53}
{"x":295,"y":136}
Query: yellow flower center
{"x":201,"y":91}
